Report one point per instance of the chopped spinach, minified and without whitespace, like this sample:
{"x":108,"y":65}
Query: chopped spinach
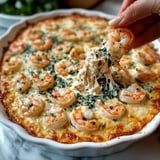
{"x":88,"y":100}
{"x":102,"y":82}
{"x":106,"y":54}
{"x":73,"y":72}
{"x":29,"y":50}
{"x":60,"y":82}
{"x":110,"y":92}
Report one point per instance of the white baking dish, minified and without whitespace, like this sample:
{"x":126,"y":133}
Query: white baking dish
{"x":80,"y":149}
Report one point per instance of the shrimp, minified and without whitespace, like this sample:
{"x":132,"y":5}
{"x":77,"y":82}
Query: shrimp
{"x":68,"y":35}
{"x":12,"y":65}
{"x":84,"y":119}
{"x":23,"y":83}
{"x":56,"y":118}
{"x":121,"y":75}
{"x":31,"y":107}
{"x":137,"y":71}
{"x":40,"y":59}
{"x":156,"y":68}
{"x":119,"y":40}
{"x":145,"y":55}
{"x":111,"y":108}
{"x":142,"y":72}
{"x":86,"y":35}
{"x":42,"y":44}
{"x":64,"y":97}
{"x":17,"y":47}
{"x":133,"y":94}
{"x":33,"y":34}
{"x":125,"y":61}
{"x":50,"y":25}
{"x":77,"y":54}
{"x":43,"y":81}
{"x":100,"y":24}
{"x":62,"y":48}
{"x":63,"y":67}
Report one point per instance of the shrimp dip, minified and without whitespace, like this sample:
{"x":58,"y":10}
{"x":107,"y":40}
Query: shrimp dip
{"x":75,"y":79}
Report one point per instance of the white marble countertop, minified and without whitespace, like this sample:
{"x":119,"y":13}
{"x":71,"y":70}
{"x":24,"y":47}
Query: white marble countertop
{"x":12,"y":147}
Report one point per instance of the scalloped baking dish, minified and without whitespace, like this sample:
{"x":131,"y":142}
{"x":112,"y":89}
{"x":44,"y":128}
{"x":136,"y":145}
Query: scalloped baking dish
{"x":89,"y":149}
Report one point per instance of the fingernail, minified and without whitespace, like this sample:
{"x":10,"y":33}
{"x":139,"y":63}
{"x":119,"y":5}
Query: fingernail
{"x":115,"y":21}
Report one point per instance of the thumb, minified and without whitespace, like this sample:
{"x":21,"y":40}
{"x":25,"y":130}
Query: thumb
{"x":136,"y":11}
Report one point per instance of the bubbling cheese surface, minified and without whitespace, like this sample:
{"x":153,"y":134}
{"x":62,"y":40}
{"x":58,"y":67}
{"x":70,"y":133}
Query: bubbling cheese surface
{"x":60,"y":81}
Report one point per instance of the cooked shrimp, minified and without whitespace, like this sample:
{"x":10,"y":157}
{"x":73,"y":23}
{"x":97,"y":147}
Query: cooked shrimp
{"x":62,"y":49}
{"x":50,"y":25}
{"x":133,"y":94}
{"x":84,"y":119}
{"x":56,"y":118}
{"x":12,"y":65}
{"x":119,"y":40}
{"x":86,"y":35}
{"x":43,"y":81}
{"x":63,"y":67}
{"x":40,"y":59}
{"x":33,"y":34}
{"x":22,"y":83}
{"x":156,"y":68}
{"x":42,"y":44}
{"x":145,"y":55}
{"x":142,"y":72}
{"x":77,"y":53}
{"x":72,"y":23}
{"x":32,"y":106}
{"x":111,"y":108}
{"x":145,"y":74}
{"x":100,"y":24}
{"x":137,"y":70}
{"x":68,"y":35}
{"x":64,"y":97}
{"x":121,"y":75}
{"x":125,"y":61}
{"x":17,"y":47}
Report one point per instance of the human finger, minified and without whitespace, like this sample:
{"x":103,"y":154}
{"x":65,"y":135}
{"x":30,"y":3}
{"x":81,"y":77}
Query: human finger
{"x":125,"y":4}
{"x":136,"y":11}
{"x":149,"y":35}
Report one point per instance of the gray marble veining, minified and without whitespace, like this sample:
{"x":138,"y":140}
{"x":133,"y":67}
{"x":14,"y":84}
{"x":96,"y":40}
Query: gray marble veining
{"x":13,"y":147}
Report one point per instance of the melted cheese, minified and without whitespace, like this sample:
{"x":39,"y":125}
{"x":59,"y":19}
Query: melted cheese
{"x":87,"y":81}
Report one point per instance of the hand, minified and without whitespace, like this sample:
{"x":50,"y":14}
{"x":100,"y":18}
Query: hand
{"x":142,"y":17}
